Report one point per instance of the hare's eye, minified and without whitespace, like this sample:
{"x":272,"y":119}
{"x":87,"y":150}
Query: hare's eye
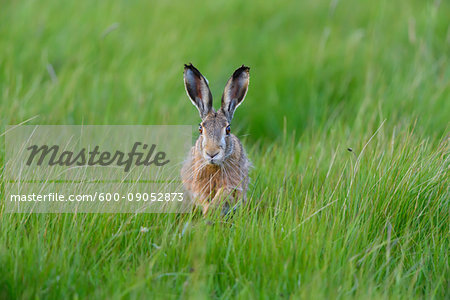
{"x":200,"y":128}
{"x":228,"y":129}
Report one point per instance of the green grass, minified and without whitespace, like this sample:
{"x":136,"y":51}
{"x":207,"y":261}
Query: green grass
{"x":322,"y":222}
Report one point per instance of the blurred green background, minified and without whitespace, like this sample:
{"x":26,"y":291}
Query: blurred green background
{"x":314,"y":64}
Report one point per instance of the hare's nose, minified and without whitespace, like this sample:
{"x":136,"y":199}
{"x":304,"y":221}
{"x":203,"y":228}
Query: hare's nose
{"x":212,"y":155}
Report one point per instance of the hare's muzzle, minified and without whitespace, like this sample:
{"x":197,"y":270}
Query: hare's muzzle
{"x":214,"y":156}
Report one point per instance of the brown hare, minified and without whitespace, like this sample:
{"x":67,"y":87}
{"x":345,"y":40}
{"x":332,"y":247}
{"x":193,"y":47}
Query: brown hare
{"x":216,"y":171}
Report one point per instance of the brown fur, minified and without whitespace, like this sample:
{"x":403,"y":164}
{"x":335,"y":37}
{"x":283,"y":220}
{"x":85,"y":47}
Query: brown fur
{"x":213,"y":184}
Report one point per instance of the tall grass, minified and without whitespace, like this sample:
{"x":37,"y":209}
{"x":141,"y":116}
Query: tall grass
{"x":346,"y":122}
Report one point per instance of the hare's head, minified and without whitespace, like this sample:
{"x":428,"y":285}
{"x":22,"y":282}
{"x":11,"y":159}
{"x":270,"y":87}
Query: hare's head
{"x":215,"y":139}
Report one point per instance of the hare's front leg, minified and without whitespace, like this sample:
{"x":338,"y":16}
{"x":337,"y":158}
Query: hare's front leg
{"x":223,"y":198}
{"x":205,"y":207}
{"x":213,"y":202}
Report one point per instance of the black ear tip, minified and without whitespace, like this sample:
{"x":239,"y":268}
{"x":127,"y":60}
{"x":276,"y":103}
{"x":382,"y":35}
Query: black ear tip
{"x":240,"y":70}
{"x":191,"y":67}
{"x":245,"y":67}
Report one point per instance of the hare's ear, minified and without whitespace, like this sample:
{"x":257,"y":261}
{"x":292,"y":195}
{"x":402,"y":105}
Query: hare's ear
{"x":235,"y":91}
{"x":197,"y":89}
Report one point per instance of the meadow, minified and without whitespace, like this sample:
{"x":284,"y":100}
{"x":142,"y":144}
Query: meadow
{"x":346,"y":122}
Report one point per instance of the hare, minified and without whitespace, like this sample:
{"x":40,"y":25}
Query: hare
{"x":216,"y":171}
